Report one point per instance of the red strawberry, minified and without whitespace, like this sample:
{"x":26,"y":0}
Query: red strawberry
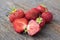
{"x":15,"y":15}
{"x":47,"y":16}
{"x":20,"y":24}
{"x":20,"y":13}
{"x":40,"y":21}
{"x":32,"y":14}
{"x":11,"y":17}
{"x":42,"y":8}
{"x":33,"y":28}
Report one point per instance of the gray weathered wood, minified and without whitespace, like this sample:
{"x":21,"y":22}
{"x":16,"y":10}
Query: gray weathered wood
{"x":50,"y":31}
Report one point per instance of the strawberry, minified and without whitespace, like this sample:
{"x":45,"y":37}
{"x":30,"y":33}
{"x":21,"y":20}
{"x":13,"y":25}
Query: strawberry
{"x":42,"y":8}
{"x":33,"y":28}
{"x":32,"y":14}
{"x":47,"y":16}
{"x":40,"y":21}
{"x":11,"y":17}
{"x":20,"y":24}
{"x":16,"y":14}
{"x":20,"y":13}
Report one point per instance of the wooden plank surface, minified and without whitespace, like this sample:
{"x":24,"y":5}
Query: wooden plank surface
{"x":50,"y":32}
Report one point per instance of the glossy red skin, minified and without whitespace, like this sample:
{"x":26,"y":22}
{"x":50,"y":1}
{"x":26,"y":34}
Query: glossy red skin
{"x":42,"y":24}
{"x":15,"y":15}
{"x":20,"y":24}
{"x":20,"y":13}
{"x":47,"y":16}
{"x":41,"y":9}
{"x":33,"y":28}
{"x":12,"y":17}
{"x":32,"y":14}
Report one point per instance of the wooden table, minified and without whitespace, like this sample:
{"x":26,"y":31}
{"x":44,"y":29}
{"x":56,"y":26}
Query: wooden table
{"x":50,"y":32}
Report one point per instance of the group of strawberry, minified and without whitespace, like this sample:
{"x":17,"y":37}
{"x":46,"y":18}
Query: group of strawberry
{"x":32,"y":21}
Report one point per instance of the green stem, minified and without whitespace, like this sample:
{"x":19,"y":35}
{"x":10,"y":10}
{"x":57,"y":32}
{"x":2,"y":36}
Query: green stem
{"x":25,"y":31}
{"x":13,"y":10}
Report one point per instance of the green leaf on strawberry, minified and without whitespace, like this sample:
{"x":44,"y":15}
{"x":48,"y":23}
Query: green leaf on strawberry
{"x":39,"y":20}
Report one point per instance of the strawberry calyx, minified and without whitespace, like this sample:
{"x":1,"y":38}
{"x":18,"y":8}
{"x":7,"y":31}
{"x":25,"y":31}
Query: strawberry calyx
{"x":25,"y":30}
{"x":13,"y":10}
{"x":46,"y":10}
{"x":39,"y":20}
{"x":42,"y":5}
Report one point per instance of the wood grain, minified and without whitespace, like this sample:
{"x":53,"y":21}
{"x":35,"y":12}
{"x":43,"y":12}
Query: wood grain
{"x":49,"y":32}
